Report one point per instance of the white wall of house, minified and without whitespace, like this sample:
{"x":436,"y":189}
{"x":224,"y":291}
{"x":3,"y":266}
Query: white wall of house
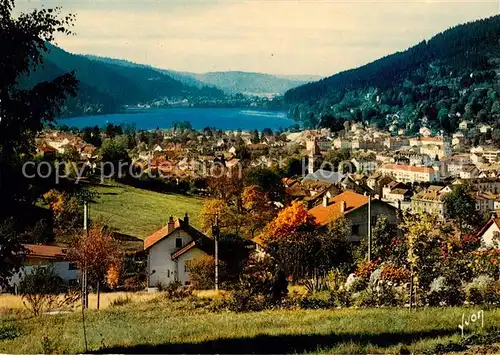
{"x":487,"y":237}
{"x":184,"y":259}
{"x":62,"y":268}
{"x":160,"y":260}
{"x":161,"y":267}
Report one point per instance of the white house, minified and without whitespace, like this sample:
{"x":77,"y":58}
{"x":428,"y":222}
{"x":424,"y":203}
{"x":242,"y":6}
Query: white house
{"x":45,"y":255}
{"x":489,"y":232}
{"x":170,"y":250}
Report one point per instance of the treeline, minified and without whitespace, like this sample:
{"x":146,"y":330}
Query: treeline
{"x":452,"y":73}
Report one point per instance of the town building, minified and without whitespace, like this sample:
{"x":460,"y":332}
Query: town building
{"x":45,"y":255}
{"x":172,"y":248}
{"x":408,"y":173}
{"x":353,"y":207}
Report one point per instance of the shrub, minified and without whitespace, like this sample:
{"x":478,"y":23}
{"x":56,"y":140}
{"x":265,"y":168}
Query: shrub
{"x":319,"y":300}
{"x":243,"y":301}
{"x":483,"y":290}
{"x":9,"y":331}
{"x":366,"y":298}
{"x":365,"y":269}
{"x":202,"y":273}
{"x":443,"y":292}
{"x":42,"y":290}
{"x":341,"y":297}
{"x":175,"y":291}
{"x":120,"y":301}
{"x":394,"y":274}
{"x":133,"y":284}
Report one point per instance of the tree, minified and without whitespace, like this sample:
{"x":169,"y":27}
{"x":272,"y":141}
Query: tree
{"x":257,"y":209}
{"x":422,"y":232}
{"x":66,"y":209}
{"x":268,"y":181}
{"x":23,"y":111}
{"x":96,"y":251}
{"x":267,"y":132}
{"x":115,"y":153}
{"x":42,"y":290}
{"x":386,"y":245}
{"x":11,"y":251}
{"x":304,"y":250}
{"x":460,"y":206}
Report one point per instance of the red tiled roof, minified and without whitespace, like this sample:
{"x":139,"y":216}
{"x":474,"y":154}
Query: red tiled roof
{"x":45,"y":251}
{"x":323,"y":215}
{"x":184,"y":249}
{"x":159,"y":235}
{"x":487,"y":226}
{"x":47,"y":148}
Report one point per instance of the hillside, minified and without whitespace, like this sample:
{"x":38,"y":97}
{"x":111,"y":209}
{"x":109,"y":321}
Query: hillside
{"x":138,"y":212}
{"x":250,"y":83}
{"x":438,"y":82}
{"x":107,"y":87}
{"x":231,"y":82}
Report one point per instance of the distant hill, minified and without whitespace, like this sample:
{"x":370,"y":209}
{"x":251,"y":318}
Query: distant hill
{"x":106,"y":86}
{"x":251,"y":83}
{"x":436,"y":83}
{"x":231,"y":82}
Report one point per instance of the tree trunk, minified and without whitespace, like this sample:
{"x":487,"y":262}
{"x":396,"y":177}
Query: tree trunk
{"x":411,"y":287}
{"x":98,"y":295}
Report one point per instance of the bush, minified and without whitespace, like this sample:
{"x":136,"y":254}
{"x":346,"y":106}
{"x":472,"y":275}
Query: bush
{"x":341,"y":297}
{"x":175,"y":291}
{"x":121,"y":301}
{"x":482,"y":290}
{"x":394,"y":274}
{"x":243,"y":301}
{"x":42,"y":290}
{"x":133,"y":284}
{"x":319,"y":300}
{"x":444,"y":293}
{"x":9,"y":331}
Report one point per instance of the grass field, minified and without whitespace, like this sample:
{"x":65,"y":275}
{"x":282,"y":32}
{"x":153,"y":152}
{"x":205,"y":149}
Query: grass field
{"x":139,"y":212}
{"x":156,"y":325}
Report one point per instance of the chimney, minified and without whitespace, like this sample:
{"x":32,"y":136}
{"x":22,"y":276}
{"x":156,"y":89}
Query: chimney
{"x":325,"y":201}
{"x":170,"y":225}
{"x":342,"y":206}
{"x":186,"y":219}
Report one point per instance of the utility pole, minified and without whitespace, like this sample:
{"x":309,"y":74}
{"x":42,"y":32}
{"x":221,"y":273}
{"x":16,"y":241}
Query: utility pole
{"x":85,"y":297}
{"x":215,"y":232}
{"x":369,"y":228}
{"x":85,"y":300}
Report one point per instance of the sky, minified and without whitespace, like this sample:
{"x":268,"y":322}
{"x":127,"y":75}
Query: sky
{"x":269,"y":36}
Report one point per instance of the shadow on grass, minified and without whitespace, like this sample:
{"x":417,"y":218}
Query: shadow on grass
{"x":279,"y":344}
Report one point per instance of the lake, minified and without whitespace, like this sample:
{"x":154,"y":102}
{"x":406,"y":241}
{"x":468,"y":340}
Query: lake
{"x":221,"y":118}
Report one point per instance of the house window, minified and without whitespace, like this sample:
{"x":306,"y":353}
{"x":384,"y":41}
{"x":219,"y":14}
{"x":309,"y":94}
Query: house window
{"x":355,"y":229}
{"x":178,"y":242}
{"x":72,"y":266}
{"x":186,"y":265}
{"x":168,"y":273}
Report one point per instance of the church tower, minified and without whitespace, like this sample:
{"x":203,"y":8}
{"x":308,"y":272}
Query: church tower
{"x":314,"y":154}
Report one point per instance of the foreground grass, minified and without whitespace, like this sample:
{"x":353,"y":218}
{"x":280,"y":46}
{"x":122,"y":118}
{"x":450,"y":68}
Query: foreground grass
{"x":140,"y":212}
{"x":161,"y":326}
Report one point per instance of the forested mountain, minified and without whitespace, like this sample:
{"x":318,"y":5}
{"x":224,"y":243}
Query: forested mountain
{"x":107,"y":87}
{"x":231,"y":82}
{"x":438,"y":82}
{"x":250,"y":83}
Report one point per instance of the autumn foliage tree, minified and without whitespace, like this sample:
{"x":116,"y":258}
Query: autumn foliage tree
{"x":302,"y":249}
{"x":99,"y":253}
{"x":422,"y":239}
{"x":68,"y":213}
{"x":244,"y":213}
